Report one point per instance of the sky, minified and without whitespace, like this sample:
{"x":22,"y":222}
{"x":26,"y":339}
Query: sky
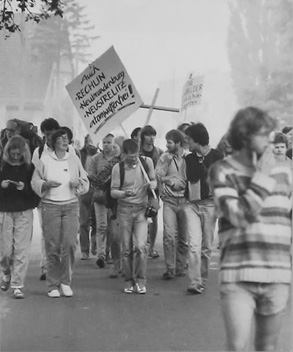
{"x":162,"y":39}
{"x":160,"y":42}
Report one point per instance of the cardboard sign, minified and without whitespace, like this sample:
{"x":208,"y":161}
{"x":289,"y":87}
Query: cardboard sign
{"x":192,"y":92}
{"x":104,"y":95}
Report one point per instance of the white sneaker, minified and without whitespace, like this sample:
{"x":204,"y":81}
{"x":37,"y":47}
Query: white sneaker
{"x":67,"y":291}
{"x":54,"y":294}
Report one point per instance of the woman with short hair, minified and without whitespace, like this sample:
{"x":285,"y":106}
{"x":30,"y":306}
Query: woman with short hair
{"x":59,"y":179}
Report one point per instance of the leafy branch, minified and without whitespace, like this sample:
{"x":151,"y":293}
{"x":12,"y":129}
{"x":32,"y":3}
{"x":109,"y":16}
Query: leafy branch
{"x":34,"y":10}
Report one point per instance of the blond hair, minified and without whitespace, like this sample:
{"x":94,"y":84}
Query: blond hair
{"x":17,"y":142}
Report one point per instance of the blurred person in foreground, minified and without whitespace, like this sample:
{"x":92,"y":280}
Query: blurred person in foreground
{"x":17,"y":201}
{"x":59,"y":179}
{"x":252,"y":191}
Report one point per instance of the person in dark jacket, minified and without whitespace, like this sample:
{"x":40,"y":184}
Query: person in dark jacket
{"x":17,"y":201}
{"x":199,"y":210}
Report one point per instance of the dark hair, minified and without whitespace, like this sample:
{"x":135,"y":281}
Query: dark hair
{"x":135,"y":132}
{"x":147,"y":130}
{"x":176,"y":136}
{"x":49,"y":124}
{"x":129,"y":146}
{"x":198,"y":133}
{"x":59,"y":133}
{"x":246,"y":122}
{"x":68,"y":132}
{"x":287,"y":129}
{"x":183,"y":126}
{"x":281,"y":138}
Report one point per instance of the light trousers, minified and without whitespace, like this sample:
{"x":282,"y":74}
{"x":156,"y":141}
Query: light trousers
{"x":16,"y":231}
{"x":60,"y":228}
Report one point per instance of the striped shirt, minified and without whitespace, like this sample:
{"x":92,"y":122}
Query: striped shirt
{"x":254,"y":213}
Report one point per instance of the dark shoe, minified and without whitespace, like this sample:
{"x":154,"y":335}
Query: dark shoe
{"x":5,"y":283}
{"x":167,"y":276}
{"x":43,"y":276}
{"x":100,"y":262}
{"x":153,"y":254}
{"x":195,"y":290}
{"x":18,"y":294}
{"x":180,"y":274}
{"x":94,"y":251}
{"x":84,"y":256}
{"x":114,"y":273}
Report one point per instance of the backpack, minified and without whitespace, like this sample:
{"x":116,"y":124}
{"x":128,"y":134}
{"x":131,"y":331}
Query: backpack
{"x":29,"y":132}
{"x":109,"y":201}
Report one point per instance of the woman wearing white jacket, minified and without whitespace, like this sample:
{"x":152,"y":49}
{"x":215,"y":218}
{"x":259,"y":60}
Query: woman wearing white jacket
{"x":59,"y":179}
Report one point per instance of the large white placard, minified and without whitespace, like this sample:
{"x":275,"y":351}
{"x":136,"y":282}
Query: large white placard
{"x":104,"y":95}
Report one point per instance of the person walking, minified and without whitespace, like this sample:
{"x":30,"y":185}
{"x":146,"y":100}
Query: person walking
{"x":199,"y":210}
{"x":48,"y":127}
{"x":147,"y":148}
{"x":131,"y":192}
{"x":98,"y":164}
{"x":171,"y":177}
{"x":17,"y":201}
{"x":59,"y":179}
{"x":252,"y":191}
{"x":87,"y":228}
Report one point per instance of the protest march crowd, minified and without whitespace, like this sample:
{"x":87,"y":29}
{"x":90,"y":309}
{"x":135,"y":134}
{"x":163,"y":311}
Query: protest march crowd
{"x":106,"y":200}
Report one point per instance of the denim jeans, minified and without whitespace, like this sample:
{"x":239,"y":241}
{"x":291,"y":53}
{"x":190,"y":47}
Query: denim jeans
{"x":85,"y":204}
{"x":174,"y":234}
{"x":133,"y":229}
{"x":248,"y":304}
{"x":200,"y":225}
{"x":43,"y":262}
{"x":60,"y":228}
{"x":114,"y":229}
{"x":101,"y":213}
{"x":16,"y":231}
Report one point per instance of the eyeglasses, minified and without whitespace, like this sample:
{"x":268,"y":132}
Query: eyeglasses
{"x":63,"y":138}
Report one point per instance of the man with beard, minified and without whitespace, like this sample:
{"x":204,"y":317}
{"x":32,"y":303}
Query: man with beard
{"x":171,"y":177}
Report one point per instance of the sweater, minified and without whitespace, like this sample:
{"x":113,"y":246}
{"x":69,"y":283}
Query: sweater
{"x":254,"y":212}
{"x":12,"y":199}
{"x":63,"y":170}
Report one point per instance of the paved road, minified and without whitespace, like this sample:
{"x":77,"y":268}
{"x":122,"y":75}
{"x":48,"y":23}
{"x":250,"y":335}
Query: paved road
{"x":101,"y":318}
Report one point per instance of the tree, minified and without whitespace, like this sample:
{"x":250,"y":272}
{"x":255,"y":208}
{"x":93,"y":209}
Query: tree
{"x":33,"y":10}
{"x":260,"y":39}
